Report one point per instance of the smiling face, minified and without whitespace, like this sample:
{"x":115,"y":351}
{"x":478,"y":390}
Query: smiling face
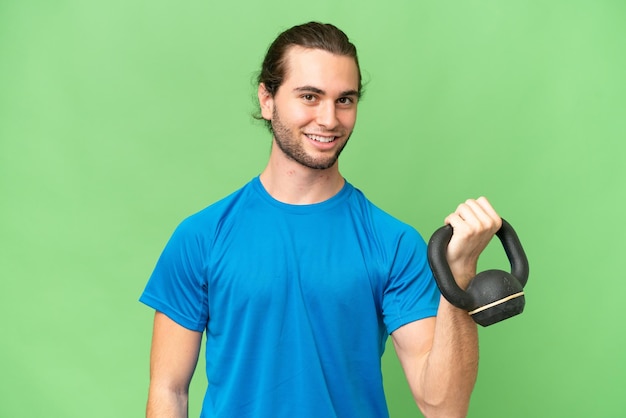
{"x":314,"y":110}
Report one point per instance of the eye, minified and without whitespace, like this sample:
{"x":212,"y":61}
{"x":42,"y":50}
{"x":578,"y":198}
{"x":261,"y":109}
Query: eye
{"x":308,"y":97}
{"x":345,"y":100}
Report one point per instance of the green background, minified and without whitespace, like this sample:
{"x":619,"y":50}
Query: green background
{"x":119,"y":118}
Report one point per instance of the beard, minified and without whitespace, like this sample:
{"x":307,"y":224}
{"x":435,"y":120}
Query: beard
{"x":293,"y":148}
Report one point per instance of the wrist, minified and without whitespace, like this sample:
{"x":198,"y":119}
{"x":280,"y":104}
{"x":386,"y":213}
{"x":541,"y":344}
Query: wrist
{"x":463,"y":276}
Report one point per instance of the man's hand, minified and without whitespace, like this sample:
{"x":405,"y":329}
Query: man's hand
{"x":474,"y":223}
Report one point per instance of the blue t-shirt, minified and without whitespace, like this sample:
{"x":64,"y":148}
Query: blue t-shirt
{"x":297,"y":301}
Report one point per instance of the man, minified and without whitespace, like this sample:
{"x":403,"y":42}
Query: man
{"x":297,"y":279}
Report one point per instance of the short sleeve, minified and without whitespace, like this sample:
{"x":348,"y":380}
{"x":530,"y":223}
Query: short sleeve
{"x":178,"y":284}
{"x":411,"y":293}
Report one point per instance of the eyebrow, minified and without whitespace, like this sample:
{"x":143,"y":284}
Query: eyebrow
{"x":316,"y":90}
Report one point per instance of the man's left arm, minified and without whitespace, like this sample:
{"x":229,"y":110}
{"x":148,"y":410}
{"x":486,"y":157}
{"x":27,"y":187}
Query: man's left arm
{"x":440,"y":355}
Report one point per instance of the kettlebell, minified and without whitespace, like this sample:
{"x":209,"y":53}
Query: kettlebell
{"x":493,"y":295}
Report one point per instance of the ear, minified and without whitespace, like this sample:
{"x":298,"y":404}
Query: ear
{"x":266,"y":101}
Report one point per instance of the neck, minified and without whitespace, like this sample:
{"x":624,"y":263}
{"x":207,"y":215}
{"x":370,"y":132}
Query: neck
{"x":290,"y":182}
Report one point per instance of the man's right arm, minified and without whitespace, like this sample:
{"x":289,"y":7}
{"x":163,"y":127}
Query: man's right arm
{"x":173,"y":359}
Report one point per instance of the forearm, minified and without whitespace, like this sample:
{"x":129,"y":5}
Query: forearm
{"x":163,"y":403}
{"x":451,"y":366}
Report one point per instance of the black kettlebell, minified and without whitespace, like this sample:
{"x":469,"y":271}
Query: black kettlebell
{"x":493,"y":295}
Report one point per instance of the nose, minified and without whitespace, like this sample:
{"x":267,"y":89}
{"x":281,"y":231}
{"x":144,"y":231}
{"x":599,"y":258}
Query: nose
{"x":327,"y":115}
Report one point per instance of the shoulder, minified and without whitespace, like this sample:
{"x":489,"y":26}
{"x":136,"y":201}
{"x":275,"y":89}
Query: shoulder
{"x":220,"y":208}
{"x":204,"y":224}
{"x":381,"y":220}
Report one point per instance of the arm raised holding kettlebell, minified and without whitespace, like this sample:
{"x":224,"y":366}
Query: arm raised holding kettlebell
{"x":442,"y":368}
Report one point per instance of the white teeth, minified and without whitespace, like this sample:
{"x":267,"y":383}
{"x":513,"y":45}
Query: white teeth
{"x":324,"y":139}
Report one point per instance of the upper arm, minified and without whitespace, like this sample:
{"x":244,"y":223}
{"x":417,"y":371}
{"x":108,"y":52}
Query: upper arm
{"x":174,"y":354}
{"x":412,"y":343}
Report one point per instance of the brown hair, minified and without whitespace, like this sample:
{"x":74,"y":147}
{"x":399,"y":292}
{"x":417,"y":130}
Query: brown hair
{"x":313,"y":35}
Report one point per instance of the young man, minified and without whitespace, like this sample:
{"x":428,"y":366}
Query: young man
{"x":297,"y":279}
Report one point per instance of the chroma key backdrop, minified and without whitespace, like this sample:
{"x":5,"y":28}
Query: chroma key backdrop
{"x":120,"y":118}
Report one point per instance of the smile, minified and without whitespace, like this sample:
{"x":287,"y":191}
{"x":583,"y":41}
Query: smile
{"x":324,"y":139}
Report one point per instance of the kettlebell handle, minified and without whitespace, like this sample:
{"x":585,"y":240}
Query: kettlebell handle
{"x":443,"y":275}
